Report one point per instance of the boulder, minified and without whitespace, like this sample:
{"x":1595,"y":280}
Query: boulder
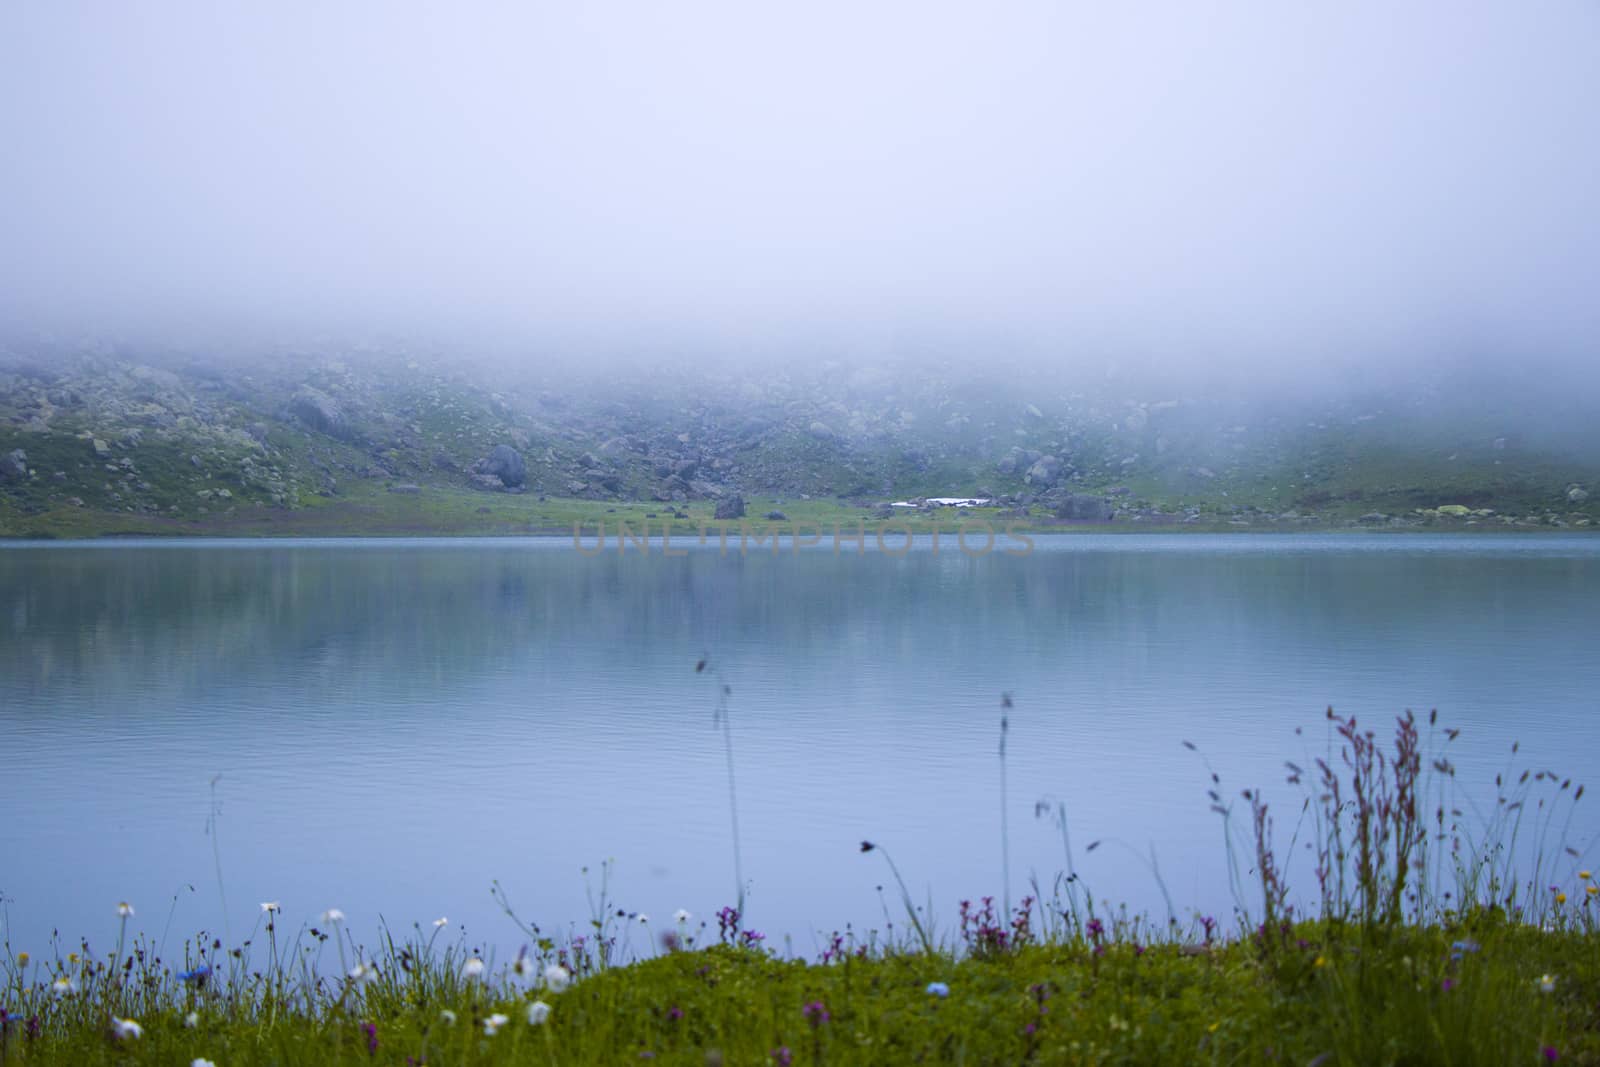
{"x":730,"y":508}
{"x":777,"y":516}
{"x":321,"y":412}
{"x":1084,"y":507}
{"x":1044,"y":471}
{"x":821,"y":431}
{"x":1575,"y":495}
{"x":14,"y":467}
{"x":504,"y":463}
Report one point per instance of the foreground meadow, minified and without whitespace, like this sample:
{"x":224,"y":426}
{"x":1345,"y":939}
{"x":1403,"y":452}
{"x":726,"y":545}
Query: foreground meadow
{"x":1436,"y":933}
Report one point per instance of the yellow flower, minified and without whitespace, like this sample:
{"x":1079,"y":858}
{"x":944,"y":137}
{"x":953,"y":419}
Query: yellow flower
{"x":72,"y":957}
{"x":1584,"y":875}
{"x":1212,"y":1028}
{"x":1592,"y":890}
{"x":1561,"y":898}
{"x":1319,"y":962}
{"x":22,"y":959}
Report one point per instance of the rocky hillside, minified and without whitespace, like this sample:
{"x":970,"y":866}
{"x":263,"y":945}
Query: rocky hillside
{"x":158,"y":435}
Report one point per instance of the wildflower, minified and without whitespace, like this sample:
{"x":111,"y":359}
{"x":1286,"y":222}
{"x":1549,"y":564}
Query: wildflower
{"x":644,"y":920}
{"x":270,"y":906}
{"x":1561,"y":898}
{"x":1448,"y":984}
{"x":675,"y":1013}
{"x":937,"y":989}
{"x":362,"y":973}
{"x":371,"y":1030}
{"x":1590,"y":889}
{"x":440,"y":923}
{"x":64,"y":985}
{"x":1584,"y":875}
{"x":1464,"y":946}
{"x":126,"y":1029}
{"x":191,"y":1021}
{"x":447,"y":1017}
{"x":201,"y":1063}
{"x":816,"y":1013}
{"x":473,"y":968}
{"x":331,"y":916}
{"x":22,"y":960}
{"x":557,"y":978}
{"x":538,"y":1012}
{"x":524,"y":966}
{"x":493,"y":1023}
{"x":1319,"y":962}
{"x":125,"y":909}
{"x":782,"y":1056}
{"x":681,"y":916}
{"x":199,"y":974}
{"x":1547,"y":983}
{"x":1550,"y":1054}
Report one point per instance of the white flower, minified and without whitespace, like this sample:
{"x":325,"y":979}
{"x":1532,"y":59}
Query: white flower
{"x":644,"y":919}
{"x":191,"y":1021}
{"x":440,"y":922}
{"x":125,"y":909}
{"x":270,"y":906}
{"x":538,"y":1012}
{"x":493,"y":1023}
{"x":524,"y":967}
{"x":473,"y":968}
{"x":1547,"y":983}
{"x":681,"y":916}
{"x":64,"y":985}
{"x":333,"y":915}
{"x":202,"y":1063}
{"x":557,"y":978}
{"x":363,"y":973}
{"x":126,"y":1029}
{"x":447,"y":1017}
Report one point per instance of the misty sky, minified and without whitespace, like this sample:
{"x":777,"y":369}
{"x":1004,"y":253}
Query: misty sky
{"x":1298,"y":182}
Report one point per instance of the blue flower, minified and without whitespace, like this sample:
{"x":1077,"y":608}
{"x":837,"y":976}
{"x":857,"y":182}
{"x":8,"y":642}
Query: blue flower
{"x":199,"y":974}
{"x":938,"y":989}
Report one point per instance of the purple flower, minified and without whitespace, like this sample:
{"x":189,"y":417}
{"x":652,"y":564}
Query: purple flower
{"x":782,"y":1056}
{"x":1550,"y":1054}
{"x":816,"y":1013}
{"x":675,"y":1013}
{"x":1448,"y":984}
{"x":371,"y":1030}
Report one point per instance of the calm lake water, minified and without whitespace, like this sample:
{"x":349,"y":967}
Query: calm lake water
{"x":396,"y":724}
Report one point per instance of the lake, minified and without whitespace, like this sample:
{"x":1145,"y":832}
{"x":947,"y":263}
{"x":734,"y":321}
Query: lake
{"x":396,"y":724}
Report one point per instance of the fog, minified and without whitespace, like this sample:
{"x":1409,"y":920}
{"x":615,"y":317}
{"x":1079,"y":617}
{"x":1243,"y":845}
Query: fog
{"x":1274,"y":189}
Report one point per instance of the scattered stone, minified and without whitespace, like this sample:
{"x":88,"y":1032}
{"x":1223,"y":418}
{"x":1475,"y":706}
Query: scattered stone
{"x":1043,"y":472}
{"x":101,"y":449}
{"x":1577,"y":494}
{"x":730,"y":508}
{"x":1084,"y":507}
{"x":777,"y":516}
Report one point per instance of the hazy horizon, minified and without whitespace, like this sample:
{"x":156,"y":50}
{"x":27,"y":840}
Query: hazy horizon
{"x":1267,"y":191}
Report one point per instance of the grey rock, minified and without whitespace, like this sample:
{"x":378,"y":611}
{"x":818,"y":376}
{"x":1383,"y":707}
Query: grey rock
{"x":1084,"y":507}
{"x":321,"y":412}
{"x":14,"y":467}
{"x":504,"y":463}
{"x":1575,"y":495}
{"x":821,"y":431}
{"x":100,"y":447}
{"x":777,"y":516}
{"x":730,"y":508}
{"x":489,"y":482}
{"x":1044,"y":471}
